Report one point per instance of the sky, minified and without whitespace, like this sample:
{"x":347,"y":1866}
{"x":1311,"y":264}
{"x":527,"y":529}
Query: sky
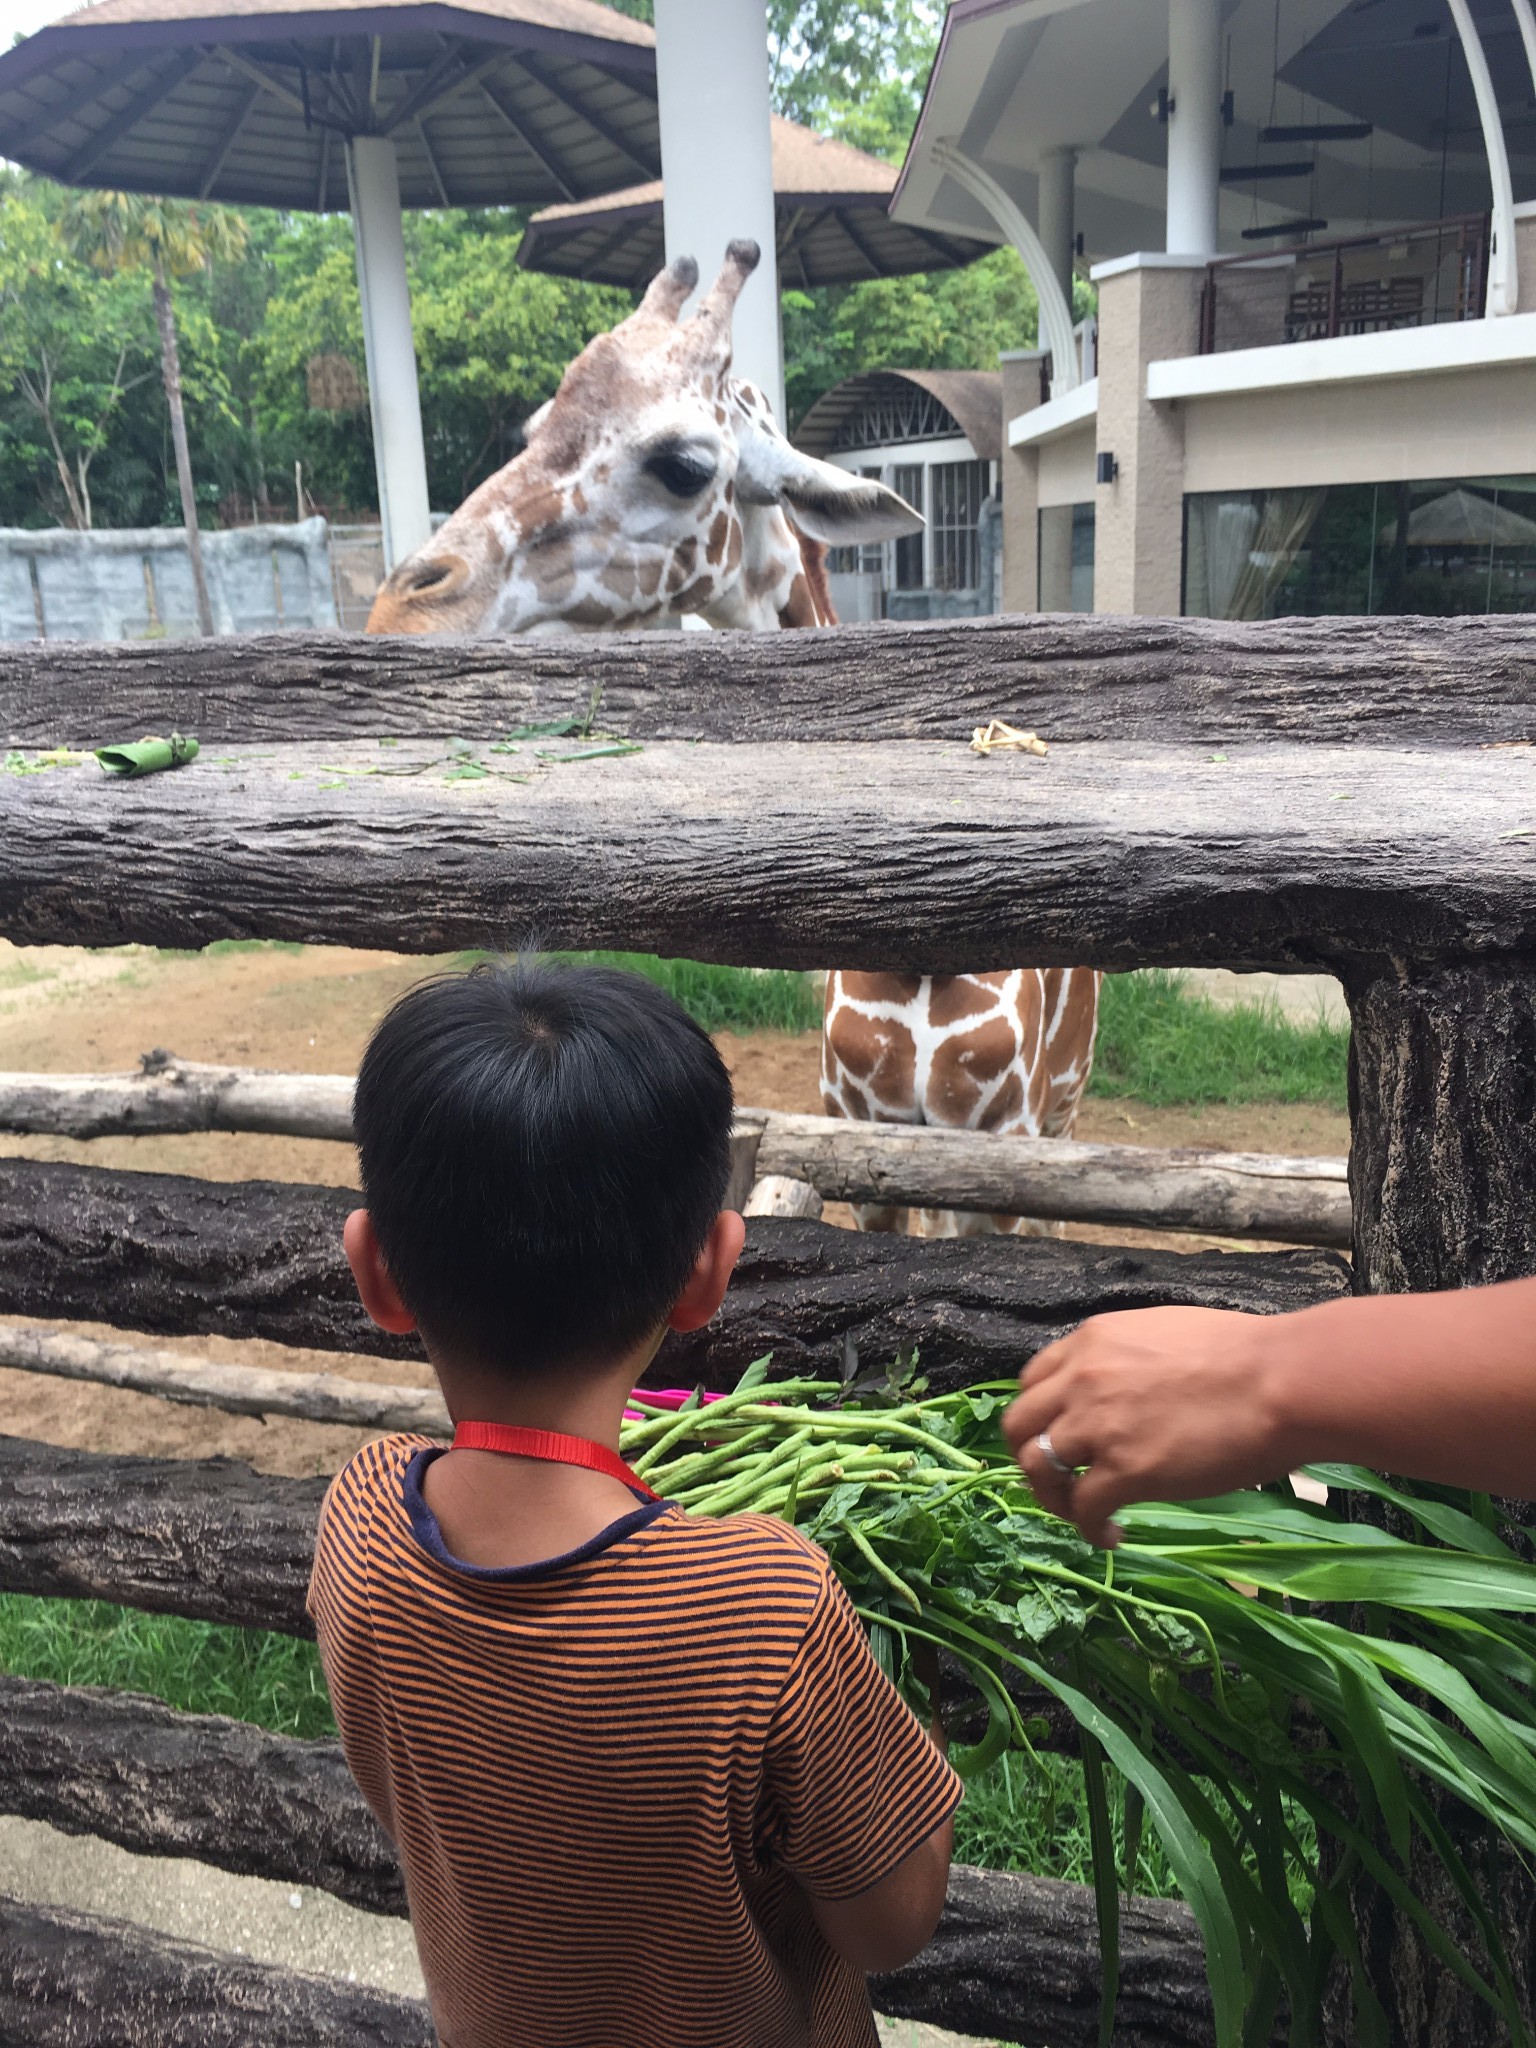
{"x":22,"y":17}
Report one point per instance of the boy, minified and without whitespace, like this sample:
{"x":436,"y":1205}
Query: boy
{"x":646,"y":1780}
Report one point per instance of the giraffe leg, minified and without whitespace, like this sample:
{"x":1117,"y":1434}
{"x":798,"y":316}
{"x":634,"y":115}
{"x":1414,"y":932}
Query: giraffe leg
{"x":882,"y":1216}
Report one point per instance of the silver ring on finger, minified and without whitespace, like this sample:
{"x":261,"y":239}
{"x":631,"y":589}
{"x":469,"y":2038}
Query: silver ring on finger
{"x":1049,"y":1452}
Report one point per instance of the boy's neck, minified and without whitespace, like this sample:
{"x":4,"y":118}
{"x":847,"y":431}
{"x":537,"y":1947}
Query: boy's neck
{"x":499,"y":1510}
{"x":585,"y":1401}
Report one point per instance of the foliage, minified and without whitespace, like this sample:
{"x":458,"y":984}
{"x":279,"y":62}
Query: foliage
{"x":726,"y":998}
{"x":127,"y":231}
{"x":492,"y":342}
{"x":1200,"y":1661}
{"x":273,"y":1680}
{"x":1031,"y":1814}
{"x":1163,"y":1043}
{"x":73,"y":346}
{"x":944,"y":320}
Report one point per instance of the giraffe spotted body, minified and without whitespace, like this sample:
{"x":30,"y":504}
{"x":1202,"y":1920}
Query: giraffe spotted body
{"x":1008,"y":1052}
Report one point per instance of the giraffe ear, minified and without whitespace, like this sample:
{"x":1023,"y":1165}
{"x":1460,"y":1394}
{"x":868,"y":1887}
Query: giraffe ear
{"x":535,"y":420}
{"x":826,"y":503}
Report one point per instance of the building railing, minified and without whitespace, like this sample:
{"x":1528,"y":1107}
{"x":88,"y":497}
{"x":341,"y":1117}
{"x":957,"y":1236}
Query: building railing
{"x":1418,"y":276}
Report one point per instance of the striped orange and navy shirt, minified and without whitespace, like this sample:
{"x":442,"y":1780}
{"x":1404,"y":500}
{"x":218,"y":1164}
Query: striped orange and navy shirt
{"x":610,"y":1775}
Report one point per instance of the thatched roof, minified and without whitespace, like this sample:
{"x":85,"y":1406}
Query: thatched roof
{"x":489,"y":102}
{"x":833,"y":227}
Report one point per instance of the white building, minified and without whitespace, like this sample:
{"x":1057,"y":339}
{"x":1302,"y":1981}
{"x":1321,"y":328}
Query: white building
{"x":936,"y":438}
{"x":1312,"y":224}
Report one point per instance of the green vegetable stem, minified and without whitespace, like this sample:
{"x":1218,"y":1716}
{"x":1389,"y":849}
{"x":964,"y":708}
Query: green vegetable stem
{"x":1276,"y":1754}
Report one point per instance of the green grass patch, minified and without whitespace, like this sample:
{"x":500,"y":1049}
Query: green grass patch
{"x":1031,"y":1815}
{"x":273,"y":1680}
{"x":726,"y":998}
{"x":216,"y":949}
{"x":717,"y":998}
{"x":1163,"y":1043}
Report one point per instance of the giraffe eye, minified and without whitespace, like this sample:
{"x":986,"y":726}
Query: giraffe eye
{"x":680,"y":471}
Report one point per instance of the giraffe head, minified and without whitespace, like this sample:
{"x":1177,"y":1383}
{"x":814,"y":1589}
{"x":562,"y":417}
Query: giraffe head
{"x":652,"y":482}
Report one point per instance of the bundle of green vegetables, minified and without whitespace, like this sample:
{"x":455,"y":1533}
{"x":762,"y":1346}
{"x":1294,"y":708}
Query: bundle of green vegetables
{"x":1271,"y":1748}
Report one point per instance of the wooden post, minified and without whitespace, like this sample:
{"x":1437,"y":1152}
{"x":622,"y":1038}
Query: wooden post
{"x":1442,"y":1089}
{"x":1443,"y":1104}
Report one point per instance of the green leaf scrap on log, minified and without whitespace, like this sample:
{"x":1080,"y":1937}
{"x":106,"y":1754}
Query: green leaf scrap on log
{"x":1116,"y":854}
{"x":177,"y":1256}
{"x":1398,"y":680}
{"x":1014,"y":1956}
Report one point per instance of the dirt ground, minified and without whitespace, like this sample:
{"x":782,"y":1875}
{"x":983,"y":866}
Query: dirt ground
{"x":68,"y":1010}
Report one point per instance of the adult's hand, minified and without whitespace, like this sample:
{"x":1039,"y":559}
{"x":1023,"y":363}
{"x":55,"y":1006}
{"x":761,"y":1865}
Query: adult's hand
{"x":1156,"y":1404}
{"x":1178,"y":1403}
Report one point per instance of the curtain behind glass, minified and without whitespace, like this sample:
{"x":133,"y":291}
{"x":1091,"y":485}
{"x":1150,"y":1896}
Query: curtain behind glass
{"x":1241,"y":545}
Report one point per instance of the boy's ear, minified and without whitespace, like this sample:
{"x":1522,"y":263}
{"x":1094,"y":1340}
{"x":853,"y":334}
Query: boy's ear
{"x":379,"y":1294}
{"x":711,"y":1273}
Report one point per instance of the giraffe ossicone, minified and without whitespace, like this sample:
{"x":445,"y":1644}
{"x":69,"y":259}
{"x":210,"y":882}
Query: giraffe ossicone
{"x":654,"y":483}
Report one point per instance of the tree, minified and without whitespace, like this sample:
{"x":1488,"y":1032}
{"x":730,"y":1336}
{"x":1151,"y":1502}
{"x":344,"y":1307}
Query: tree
{"x":71,"y":350}
{"x":492,"y":342}
{"x":124,"y":231}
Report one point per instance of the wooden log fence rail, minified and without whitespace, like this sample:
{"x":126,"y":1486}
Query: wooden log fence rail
{"x":1402,"y":681}
{"x":162,"y":1783}
{"x":1355,"y":795}
{"x":68,"y":1977}
{"x":172,"y":1255}
{"x":1110,"y":853}
{"x":1227,"y":1194}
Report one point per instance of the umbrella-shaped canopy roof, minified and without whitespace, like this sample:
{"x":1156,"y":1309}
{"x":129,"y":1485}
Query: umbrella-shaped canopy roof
{"x":830,"y":203}
{"x":488,"y":102}
{"x":1463,"y":518}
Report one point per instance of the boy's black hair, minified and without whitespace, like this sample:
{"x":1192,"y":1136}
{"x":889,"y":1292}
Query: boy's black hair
{"x":543,"y":1148}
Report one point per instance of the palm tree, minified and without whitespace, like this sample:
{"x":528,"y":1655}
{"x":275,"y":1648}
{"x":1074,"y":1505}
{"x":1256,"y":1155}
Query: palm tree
{"x":167,"y":237}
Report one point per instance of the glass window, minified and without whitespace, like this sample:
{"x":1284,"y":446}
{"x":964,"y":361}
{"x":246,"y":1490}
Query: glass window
{"x":1442,"y":547}
{"x":907,"y":482}
{"x":958,"y":490}
{"x":1084,"y":518}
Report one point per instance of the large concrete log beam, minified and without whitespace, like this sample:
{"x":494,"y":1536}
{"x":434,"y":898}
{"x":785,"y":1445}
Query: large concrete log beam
{"x":177,"y":1256}
{"x":1401,"y":682}
{"x":900,"y":855}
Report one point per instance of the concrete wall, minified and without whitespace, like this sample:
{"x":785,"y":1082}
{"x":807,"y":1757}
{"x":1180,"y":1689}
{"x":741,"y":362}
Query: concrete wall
{"x":1065,"y":475}
{"x":1455,"y":423}
{"x":136,"y":583}
{"x":1149,"y":308}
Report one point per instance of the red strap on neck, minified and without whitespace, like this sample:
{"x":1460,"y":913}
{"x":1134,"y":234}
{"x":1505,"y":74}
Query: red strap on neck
{"x":513,"y":1440}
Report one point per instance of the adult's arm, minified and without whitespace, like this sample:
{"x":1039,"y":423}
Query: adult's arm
{"x":1178,"y":1403}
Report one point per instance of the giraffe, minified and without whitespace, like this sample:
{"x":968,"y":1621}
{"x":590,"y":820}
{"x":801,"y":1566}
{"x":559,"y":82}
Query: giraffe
{"x":652,"y":484}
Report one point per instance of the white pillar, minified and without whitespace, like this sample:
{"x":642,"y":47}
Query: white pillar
{"x":1503,"y":279}
{"x":717,"y":162}
{"x":1194,"y":125}
{"x":1057,"y":228}
{"x":394,"y":398}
